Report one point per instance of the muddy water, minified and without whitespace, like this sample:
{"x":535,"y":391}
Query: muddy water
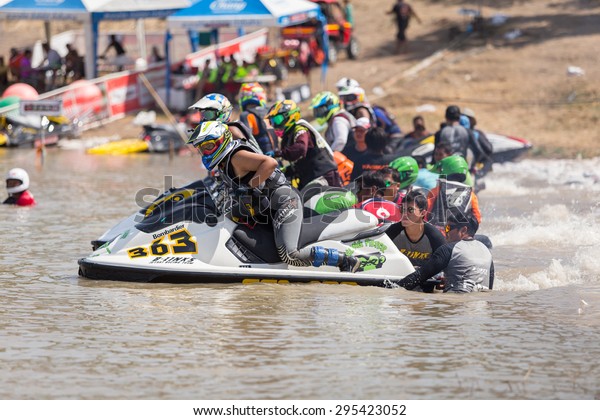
{"x":63,"y":337}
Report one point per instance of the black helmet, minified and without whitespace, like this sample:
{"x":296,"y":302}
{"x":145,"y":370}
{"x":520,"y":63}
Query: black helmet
{"x":453,"y":113}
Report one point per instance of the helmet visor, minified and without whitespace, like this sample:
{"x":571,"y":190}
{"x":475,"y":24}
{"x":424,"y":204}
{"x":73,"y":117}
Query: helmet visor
{"x":209,"y":114}
{"x":349,"y":98}
{"x":208,"y":146}
{"x":277,"y":120}
{"x":320,"y":112}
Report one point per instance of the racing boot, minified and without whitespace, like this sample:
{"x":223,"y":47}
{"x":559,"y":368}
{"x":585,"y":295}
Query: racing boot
{"x":350,"y":264}
{"x":333,"y":258}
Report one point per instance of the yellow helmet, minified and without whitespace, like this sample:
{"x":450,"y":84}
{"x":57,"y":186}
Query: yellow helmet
{"x":284,"y":114}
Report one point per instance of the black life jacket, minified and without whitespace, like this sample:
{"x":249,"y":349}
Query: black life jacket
{"x":247,"y":134}
{"x":319,"y":158}
{"x":262,"y":138}
{"x":454,"y":199}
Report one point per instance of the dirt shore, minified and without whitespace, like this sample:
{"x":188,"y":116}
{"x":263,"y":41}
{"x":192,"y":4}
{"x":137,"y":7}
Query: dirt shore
{"x":514,"y":75}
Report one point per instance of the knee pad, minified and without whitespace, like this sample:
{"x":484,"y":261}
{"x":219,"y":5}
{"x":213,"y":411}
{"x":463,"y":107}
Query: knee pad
{"x":333,"y":257}
{"x":318,"y":254}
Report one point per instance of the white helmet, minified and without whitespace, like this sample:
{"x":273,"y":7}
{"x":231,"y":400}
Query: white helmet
{"x":353,"y":97}
{"x":21,"y":175}
{"x":214,"y":107}
{"x":345,"y":83}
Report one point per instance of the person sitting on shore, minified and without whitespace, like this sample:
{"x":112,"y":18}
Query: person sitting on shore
{"x":17,"y":186}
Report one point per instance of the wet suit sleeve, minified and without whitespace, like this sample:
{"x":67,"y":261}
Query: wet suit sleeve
{"x":438,"y":262}
{"x":436,"y":239}
{"x":478,"y":153}
{"x":299,"y":148}
{"x":394,"y":230}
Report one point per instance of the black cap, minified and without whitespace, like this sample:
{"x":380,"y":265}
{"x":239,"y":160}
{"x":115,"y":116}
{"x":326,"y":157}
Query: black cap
{"x":467,"y":220}
{"x":453,"y":113}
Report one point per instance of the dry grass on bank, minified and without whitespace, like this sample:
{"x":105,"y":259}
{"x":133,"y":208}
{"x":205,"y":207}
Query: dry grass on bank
{"x":518,"y":87}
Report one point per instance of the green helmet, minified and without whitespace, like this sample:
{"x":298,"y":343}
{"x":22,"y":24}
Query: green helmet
{"x":324,"y":105}
{"x":454,"y":165}
{"x":408,"y":169}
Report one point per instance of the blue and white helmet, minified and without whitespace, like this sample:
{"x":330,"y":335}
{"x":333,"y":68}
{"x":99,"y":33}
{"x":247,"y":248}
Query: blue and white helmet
{"x":214,"y":141}
{"x":214,"y":107}
{"x":20,"y":175}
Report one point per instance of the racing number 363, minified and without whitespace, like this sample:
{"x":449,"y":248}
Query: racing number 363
{"x":183,"y":244}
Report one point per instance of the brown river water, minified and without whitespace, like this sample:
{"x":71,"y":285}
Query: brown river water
{"x":537,"y":336}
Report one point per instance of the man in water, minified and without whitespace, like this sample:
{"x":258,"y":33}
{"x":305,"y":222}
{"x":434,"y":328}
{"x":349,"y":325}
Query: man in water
{"x":17,"y":186}
{"x":467,"y":263}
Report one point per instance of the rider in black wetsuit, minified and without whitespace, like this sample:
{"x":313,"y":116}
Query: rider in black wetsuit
{"x":255,"y":176}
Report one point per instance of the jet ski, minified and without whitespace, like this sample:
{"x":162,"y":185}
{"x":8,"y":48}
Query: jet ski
{"x":505,"y":148}
{"x":187,"y":235}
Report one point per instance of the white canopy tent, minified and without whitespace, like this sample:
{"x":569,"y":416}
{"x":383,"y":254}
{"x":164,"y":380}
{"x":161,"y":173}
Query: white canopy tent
{"x":241,"y":13}
{"x":90,"y":13}
{"x":215,"y":14}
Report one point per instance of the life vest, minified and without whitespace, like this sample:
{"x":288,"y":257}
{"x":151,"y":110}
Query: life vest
{"x":344,"y":165}
{"x":372,"y":117}
{"x":249,"y":205}
{"x":248,"y":137}
{"x":457,"y":137}
{"x":453,"y":198}
{"x":342,"y":113}
{"x":253,"y":120}
{"x":319,"y":158}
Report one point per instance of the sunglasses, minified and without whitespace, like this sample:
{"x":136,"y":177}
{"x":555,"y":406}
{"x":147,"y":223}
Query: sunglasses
{"x":391,"y":184}
{"x":451,"y":227}
{"x":277,"y":120}
{"x":409,"y":210}
{"x":209,"y":114}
